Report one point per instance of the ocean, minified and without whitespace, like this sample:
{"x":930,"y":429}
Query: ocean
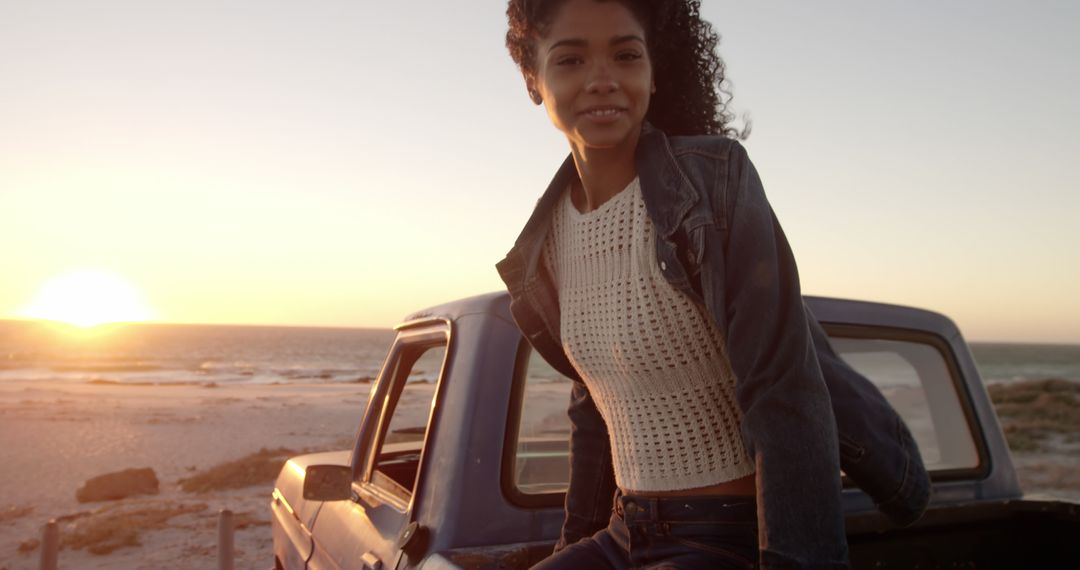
{"x":167,"y":353}
{"x":1009,"y":362}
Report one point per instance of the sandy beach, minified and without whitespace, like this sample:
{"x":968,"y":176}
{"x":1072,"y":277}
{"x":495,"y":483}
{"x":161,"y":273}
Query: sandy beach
{"x":56,"y":435}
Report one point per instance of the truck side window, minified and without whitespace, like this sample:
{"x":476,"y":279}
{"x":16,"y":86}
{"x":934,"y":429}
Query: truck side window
{"x":405,"y":419}
{"x":541,"y":464}
{"x":916,"y":380}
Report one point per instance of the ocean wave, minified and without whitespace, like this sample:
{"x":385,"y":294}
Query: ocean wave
{"x":1023,"y":378}
{"x":105,"y":367}
{"x":108,"y":382}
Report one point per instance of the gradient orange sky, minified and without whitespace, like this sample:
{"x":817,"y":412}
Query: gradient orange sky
{"x":345,"y":163}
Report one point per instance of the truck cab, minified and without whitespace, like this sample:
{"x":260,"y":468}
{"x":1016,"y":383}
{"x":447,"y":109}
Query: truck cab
{"x":461,"y":454}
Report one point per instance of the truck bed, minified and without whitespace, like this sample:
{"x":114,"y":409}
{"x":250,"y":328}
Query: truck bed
{"x":1012,"y":534}
{"x":1020,"y":533}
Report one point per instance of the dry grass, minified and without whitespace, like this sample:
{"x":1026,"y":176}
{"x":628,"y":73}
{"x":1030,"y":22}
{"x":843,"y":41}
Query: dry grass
{"x":118,"y":526}
{"x":258,"y":468}
{"x":1032,"y":410}
{"x":1050,"y":476}
{"x":246,"y":520}
{"x":12,"y":513}
{"x":73,"y":516}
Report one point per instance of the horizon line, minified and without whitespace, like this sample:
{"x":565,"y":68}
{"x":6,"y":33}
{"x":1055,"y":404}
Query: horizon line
{"x":391,"y":328}
{"x":193,"y":324}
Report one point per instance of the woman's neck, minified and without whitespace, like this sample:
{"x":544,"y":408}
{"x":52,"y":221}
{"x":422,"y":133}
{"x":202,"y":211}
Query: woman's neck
{"x":603,"y":173}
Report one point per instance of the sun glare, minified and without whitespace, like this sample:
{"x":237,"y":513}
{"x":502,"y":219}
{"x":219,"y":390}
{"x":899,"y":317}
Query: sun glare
{"x":88,"y":298}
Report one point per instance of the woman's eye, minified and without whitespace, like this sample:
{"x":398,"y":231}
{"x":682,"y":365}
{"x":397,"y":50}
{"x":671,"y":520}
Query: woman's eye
{"x":569,"y":60}
{"x":628,"y":56}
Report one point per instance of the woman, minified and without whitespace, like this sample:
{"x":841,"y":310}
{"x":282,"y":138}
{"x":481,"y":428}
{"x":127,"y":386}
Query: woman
{"x":654,"y":273}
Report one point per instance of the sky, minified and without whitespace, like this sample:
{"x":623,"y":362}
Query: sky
{"x":344,"y":163}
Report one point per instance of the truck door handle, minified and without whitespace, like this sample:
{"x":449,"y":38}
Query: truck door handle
{"x":371,"y":562}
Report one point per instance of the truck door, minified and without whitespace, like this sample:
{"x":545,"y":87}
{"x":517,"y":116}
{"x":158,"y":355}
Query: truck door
{"x":368,"y":531}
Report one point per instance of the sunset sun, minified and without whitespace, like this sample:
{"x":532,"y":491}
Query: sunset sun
{"x":88,"y":298}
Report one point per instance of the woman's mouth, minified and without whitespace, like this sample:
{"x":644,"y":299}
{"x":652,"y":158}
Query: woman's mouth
{"x":603,"y":114}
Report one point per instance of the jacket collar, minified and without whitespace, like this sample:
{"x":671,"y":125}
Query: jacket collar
{"x":665,"y":188}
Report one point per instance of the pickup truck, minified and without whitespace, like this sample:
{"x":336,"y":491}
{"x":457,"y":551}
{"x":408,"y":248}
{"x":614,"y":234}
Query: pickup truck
{"x":460,"y":457}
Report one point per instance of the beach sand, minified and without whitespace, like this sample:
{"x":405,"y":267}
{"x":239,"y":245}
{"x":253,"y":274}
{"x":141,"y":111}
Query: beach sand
{"x":56,"y":435}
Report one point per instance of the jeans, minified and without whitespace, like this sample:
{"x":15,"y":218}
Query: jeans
{"x":670,"y":532}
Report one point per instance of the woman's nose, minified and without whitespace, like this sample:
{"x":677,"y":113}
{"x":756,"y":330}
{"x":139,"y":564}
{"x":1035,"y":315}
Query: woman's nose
{"x":600,"y":80}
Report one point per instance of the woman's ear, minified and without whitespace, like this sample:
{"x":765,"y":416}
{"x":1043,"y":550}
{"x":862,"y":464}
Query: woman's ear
{"x":534,"y":95}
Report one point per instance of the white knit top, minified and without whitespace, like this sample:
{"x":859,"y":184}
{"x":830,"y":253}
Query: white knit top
{"x":653,"y":362}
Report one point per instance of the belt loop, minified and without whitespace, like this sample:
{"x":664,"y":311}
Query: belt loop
{"x":660,"y":526}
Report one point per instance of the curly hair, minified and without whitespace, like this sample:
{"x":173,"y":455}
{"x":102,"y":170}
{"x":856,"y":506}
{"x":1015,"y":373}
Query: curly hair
{"x":692,"y":95}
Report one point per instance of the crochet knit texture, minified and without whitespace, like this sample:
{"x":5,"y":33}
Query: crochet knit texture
{"x":653,"y":362}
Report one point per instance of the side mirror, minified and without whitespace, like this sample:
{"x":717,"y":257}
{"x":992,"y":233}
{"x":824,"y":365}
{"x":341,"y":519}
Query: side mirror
{"x":327,"y":483}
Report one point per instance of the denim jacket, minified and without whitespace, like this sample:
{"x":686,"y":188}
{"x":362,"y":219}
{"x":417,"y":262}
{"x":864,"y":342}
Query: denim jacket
{"x":806,"y":413}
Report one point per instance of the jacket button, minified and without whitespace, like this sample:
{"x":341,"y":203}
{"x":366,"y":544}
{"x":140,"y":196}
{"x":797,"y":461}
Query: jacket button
{"x":663,"y":266}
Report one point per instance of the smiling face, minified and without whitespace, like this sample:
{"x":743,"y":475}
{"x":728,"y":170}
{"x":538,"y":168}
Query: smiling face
{"x":593,"y":74}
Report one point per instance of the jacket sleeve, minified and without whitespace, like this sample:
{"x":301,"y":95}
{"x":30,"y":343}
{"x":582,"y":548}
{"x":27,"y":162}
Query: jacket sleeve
{"x":592,"y":479}
{"x":877,"y":450}
{"x":788,"y":426}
